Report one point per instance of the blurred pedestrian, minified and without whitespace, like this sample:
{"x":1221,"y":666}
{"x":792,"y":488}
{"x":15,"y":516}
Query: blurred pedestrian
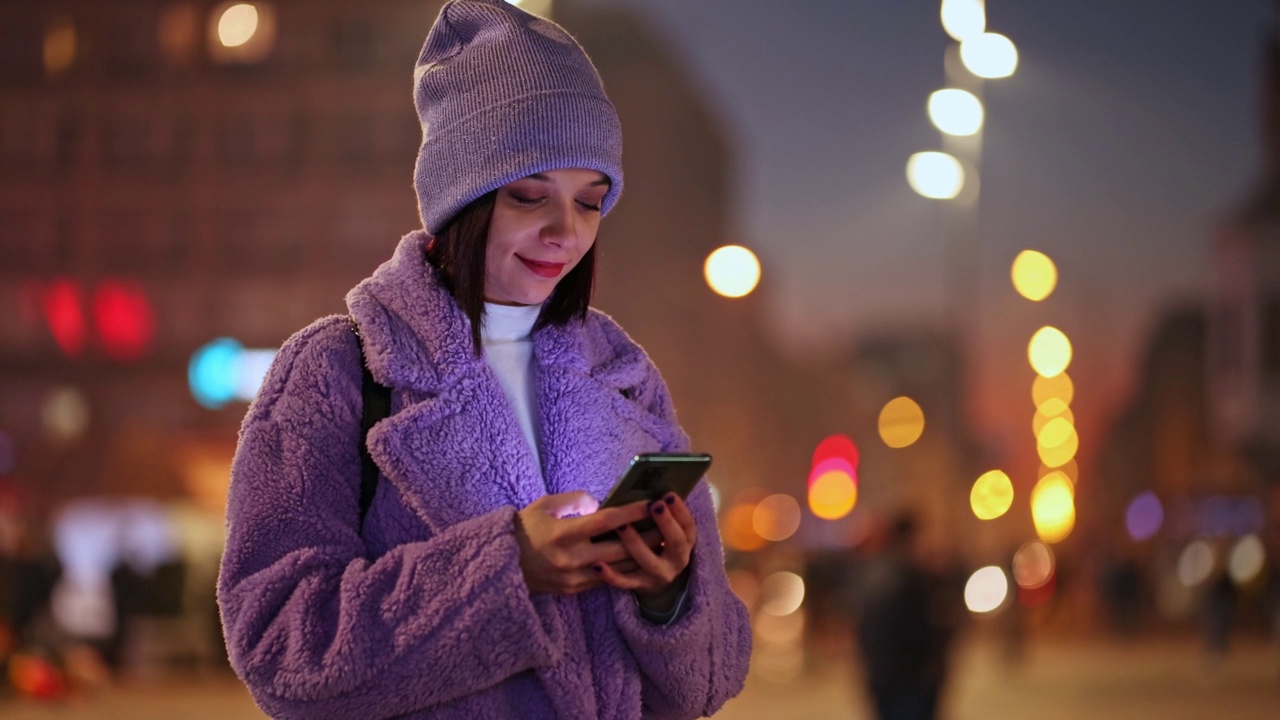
{"x":468,"y":586}
{"x":904,"y":625}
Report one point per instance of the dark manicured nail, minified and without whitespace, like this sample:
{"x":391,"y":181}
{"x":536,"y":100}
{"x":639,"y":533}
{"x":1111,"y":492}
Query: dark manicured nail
{"x":598,"y":567}
{"x":621,"y":528}
{"x":658,"y":509}
{"x":670,"y":499}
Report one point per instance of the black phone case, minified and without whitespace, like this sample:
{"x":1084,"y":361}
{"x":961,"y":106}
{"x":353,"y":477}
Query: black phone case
{"x":651,"y":476}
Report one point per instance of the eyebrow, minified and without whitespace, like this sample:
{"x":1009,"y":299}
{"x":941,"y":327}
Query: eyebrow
{"x":544,"y":178}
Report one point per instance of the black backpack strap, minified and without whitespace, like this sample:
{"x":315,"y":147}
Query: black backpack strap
{"x":377,"y":405}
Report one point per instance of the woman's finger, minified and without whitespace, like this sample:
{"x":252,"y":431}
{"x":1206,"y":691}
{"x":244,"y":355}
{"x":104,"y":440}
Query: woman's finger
{"x":613,"y":577}
{"x":682,"y":515}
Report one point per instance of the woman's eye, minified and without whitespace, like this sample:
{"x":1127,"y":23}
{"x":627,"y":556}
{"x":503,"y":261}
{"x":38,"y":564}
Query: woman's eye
{"x":525,"y":199}
{"x":593,"y":207}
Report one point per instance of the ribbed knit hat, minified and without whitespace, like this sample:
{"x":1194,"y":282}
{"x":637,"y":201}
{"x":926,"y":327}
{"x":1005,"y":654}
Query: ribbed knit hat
{"x":503,"y":94}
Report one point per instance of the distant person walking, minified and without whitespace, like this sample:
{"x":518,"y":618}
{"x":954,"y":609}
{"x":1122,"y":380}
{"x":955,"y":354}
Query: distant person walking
{"x":904,"y":628}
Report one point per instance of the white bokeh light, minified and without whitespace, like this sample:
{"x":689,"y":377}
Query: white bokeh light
{"x":989,"y":55}
{"x":986,"y":590}
{"x":955,"y":112}
{"x":935,"y":175}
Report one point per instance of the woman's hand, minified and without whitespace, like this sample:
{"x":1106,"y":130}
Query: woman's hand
{"x":556,"y":552}
{"x":659,"y":577}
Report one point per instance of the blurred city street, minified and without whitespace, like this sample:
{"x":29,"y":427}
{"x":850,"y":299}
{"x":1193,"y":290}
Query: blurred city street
{"x":1096,"y":679}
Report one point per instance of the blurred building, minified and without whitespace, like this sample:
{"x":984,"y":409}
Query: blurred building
{"x":931,"y":476}
{"x":1244,"y":359}
{"x":164,"y":183}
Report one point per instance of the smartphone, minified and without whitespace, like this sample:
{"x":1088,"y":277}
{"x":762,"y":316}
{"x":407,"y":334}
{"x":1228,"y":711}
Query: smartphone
{"x":652,"y":476}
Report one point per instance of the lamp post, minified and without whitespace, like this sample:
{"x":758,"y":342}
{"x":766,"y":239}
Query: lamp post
{"x":958,"y":113}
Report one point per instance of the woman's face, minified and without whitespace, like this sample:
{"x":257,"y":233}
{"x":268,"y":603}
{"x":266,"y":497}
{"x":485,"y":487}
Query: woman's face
{"x":541,"y":227}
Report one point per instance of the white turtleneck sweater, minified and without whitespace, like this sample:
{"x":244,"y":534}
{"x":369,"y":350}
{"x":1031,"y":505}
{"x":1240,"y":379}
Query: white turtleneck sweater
{"x":506,"y":335}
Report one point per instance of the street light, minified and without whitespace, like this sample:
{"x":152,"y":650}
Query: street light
{"x":955,"y":112}
{"x":989,"y":56}
{"x":935,"y":175}
{"x":963,"y":19}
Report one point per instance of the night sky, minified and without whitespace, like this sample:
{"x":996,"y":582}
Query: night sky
{"x":1128,"y":132}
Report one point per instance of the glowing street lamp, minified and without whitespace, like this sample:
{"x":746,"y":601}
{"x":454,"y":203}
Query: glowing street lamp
{"x":732,"y":271}
{"x":237,"y":25}
{"x":963,"y":19}
{"x":935,"y":175}
{"x":956,"y":112}
{"x":1049,"y":351}
{"x":989,"y":55}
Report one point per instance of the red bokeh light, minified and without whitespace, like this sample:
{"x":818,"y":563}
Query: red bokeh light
{"x":64,"y":315}
{"x":122,"y":318}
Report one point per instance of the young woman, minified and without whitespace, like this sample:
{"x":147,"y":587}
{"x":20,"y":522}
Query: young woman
{"x":470,"y":587}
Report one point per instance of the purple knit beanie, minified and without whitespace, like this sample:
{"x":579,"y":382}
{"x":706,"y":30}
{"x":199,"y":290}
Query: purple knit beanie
{"x":503,"y":94}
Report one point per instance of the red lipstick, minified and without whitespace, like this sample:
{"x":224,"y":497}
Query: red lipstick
{"x":542,"y":269}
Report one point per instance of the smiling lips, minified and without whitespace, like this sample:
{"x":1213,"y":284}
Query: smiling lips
{"x":542,"y":269}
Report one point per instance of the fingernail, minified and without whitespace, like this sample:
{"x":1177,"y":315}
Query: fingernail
{"x":621,"y":528}
{"x":598,"y":567}
{"x":658,"y":508}
{"x":670,"y":499}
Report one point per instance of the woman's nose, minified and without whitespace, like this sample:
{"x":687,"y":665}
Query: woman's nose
{"x":558,"y":226}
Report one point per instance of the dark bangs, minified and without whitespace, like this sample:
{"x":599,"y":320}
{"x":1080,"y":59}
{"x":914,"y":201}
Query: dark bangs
{"x":458,"y":254}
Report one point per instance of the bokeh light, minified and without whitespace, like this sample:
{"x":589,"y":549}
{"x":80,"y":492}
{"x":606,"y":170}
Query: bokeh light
{"x":732,"y":271}
{"x":737,"y":526}
{"x":833,"y":495}
{"x":1053,"y":510}
{"x":781,"y":593}
{"x":832,"y":464}
{"x":901,"y":422}
{"x":1034,"y":275}
{"x":1070,"y":470}
{"x":1049,"y":351}
{"x":213,"y":373}
{"x":1042,"y":418}
{"x":955,"y":112}
{"x":935,"y":175}
{"x":1144,"y":516}
{"x":992,"y":495}
{"x":1059,"y":386}
{"x":1033,"y":565}
{"x":1246,"y":559}
{"x":839,"y":446}
{"x":64,"y":314}
{"x":776,"y":517}
{"x":989,"y":55}
{"x":65,"y":414}
{"x":963,"y":19}
{"x":122,"y":316}
{"x":1054,"y":456}
{"x":986,"y":590}
{"x":1195,"y":564}
{"x":237,"y":25}
{"x":1055,"y":432}
{"x":59,"y":47}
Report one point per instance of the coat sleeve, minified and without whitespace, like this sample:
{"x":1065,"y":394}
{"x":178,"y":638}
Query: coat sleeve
{"x":692,"y":666}
{"x":313,"y":626}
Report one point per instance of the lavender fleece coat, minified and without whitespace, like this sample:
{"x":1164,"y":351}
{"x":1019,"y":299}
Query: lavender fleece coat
{"x":425,"y":614}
